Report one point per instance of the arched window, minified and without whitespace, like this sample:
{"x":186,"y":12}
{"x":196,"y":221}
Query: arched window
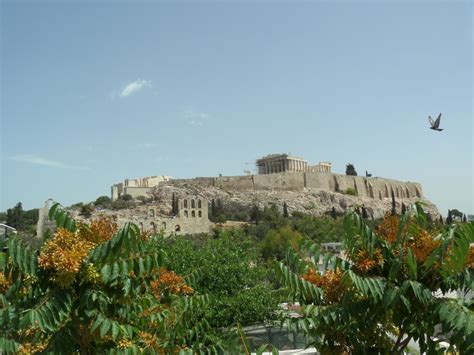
{"x":193,"y":204}
{"x":199,"y":214}
{"x":185,"y":214}
{"x":163,"y":225}
{"x":177,"y":228}
{"x":153,"y":226}
{"x":151,"y":213}
{"x":199,"y":203}
{"x":193,"y":213}
{"x":141,"y":226}
{"x":185,"y":203}
{"x":407,"y":192}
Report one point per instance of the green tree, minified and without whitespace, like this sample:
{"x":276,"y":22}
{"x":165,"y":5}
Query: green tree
{"x":285,"y":210}
{"x":103,"y":201}
{"x":381,"y":295}
{"x":277,"y":241}
{"x":15,"y":216}
{"x":86,"y":210}
{"x":350,"y":170}
{"x":92,"y":289}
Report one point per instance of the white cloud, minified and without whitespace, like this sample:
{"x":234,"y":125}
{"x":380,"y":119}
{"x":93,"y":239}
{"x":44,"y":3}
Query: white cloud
{"x":37,"y":160}
{"x":134,"y":87}
{"x":195,"y":119}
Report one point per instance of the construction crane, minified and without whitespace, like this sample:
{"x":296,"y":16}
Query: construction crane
{"x":247,"y":170}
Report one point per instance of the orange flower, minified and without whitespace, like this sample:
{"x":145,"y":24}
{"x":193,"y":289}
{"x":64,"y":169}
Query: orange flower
{"x":169,"y":283}
{"x":330,"y":282}
{"x":64,"y":254}
{"x":365,"y":263}
{"x":100,"y":230}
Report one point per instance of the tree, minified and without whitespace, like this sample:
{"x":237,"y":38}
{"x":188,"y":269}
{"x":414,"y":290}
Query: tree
{"x":365,"y":215}
{"x":285,"y":210}
{"x":126,"y":197}
{"x":449,"y":218}
{"x":404,"y":208}
{"x":95,"y":289}
{"x":350,"y":170}
{"x":103,"y":201}
{"x":381,"y":295}
{"x":15,"y":216}
{"x":255,"y":214}
{"x":86,"y":210}
{"x":394,"y":208}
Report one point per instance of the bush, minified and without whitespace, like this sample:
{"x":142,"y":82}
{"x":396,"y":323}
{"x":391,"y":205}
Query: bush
{"x":351,"y":191}
{"x":86,"y":210}
{"x":103,"y":201}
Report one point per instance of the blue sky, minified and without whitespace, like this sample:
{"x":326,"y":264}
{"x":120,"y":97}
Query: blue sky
{"x":95,"y":92}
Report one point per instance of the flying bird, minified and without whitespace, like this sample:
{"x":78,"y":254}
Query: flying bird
{"x":435,"y":124}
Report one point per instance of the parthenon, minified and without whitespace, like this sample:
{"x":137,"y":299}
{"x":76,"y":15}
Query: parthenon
{"x":278,"y":163}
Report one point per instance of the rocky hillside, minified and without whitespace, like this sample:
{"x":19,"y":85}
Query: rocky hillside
{"x":312,"y":201}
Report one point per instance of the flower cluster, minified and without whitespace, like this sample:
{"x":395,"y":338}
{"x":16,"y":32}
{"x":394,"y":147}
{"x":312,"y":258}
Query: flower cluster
{"x":5,"y":283}
{"x":169,"y":283}
{"x":100,"y":230}
{"x":63,"y":254}
{"x":330,"y":282}
{"x":366,"y":263}
{"x":419,"y":240}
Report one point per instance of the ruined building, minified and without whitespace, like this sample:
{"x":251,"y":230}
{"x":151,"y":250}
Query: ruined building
{"x":136,"y":187}
{"x":280,"y":163}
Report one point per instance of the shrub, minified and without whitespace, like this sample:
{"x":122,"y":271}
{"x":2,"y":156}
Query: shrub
{"x":350,"y":191}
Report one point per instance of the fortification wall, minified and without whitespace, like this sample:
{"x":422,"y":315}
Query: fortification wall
{"x":280,"y":181}
{"x":239,"y":183}
{"x":137,"y":191}
{"x":373,"y":187}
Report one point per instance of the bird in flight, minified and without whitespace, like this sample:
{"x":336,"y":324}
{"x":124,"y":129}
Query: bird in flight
{"x":435,"y":124}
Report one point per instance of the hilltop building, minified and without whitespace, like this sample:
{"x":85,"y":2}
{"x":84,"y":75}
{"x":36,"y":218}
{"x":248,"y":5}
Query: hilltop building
{"x":136,"y":187}
{"x":280,"y":163}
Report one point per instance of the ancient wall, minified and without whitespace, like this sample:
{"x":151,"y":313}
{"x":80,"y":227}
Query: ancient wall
{"x":280,"y":181}
{"x":374,"y":187}
{"x":137,"y":191}
{"x":239,"y":183}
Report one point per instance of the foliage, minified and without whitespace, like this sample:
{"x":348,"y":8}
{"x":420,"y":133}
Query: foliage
{"x":277,"y":241}
{"x":350,"y":170}
{"x":103,"y":201}
{"x":86,"y":210}
{"x":382,"y":295}
{"x":93,"y":289}
{"x":22,"y":220}
{"x":351,"y":191}
{"x":227,"y":269}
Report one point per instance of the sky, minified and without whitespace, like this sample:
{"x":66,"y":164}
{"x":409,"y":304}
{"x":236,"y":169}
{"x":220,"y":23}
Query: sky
{"x":93,"y":92}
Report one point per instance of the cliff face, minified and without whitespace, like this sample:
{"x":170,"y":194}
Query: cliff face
{"x":314,"y":201}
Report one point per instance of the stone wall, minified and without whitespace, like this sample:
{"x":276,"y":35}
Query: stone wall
{"x":373,"y":187}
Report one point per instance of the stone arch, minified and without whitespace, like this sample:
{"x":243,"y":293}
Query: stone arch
{"x":193,"y":213}
{"x":186,"y":214}
{"x":199,"y":203}
{"x":407,"y":192}
{"x":141,"y":226}
{"x":193,"y":203}
{"x":177,"y":228}
{"x":153,"y":226}
{"x":151,"y":213}
{"x":199,"y":214}
{"x":185,"y":203}
{"x":163,"y":225}
{"x":386,"y":191}
{"x":397,"y":192}
{"x":380,"y":195}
